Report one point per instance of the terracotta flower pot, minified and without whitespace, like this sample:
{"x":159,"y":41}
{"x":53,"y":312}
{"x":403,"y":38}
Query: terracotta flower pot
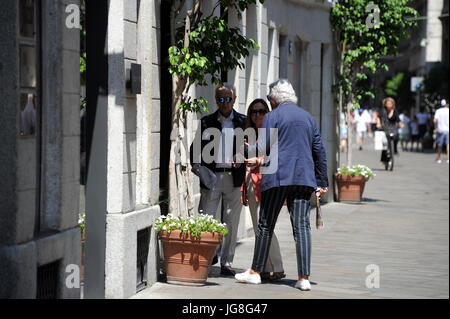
{"x":350,"y":188}
{"x":187,"y":258}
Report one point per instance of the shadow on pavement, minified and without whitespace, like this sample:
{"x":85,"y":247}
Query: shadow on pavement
{"x":214,"y":272}
{"x":286,"y":282}
{"x":373,"y":200}
{"x":380,"y":170}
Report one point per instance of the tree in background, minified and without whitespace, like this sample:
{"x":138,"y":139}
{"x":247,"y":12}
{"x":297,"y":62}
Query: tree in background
{"x":436,"y":86}
{"x":393,"y":84}
{"x":365,"y":31}
{"x":399,"y":87}
{"x":203,"y":47}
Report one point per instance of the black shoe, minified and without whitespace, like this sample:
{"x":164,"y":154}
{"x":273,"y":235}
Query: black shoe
{"x":360,"y":148}
{"x":227,"y":271}
{"x":215,"y":260}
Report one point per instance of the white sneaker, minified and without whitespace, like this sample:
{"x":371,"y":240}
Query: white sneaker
{"x":248,"y":278}
{"x":303,"y":285}
{"x":439,"y":161}
{"x":447,"y":161}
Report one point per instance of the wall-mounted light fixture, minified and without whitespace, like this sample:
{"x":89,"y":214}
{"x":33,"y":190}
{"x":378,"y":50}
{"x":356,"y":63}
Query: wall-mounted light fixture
{"x":133,"y":81}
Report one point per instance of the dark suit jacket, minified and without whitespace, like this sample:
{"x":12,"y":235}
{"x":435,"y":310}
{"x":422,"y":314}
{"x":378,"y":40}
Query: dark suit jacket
{"x":211,"y":121}
{"x":301,"y":155}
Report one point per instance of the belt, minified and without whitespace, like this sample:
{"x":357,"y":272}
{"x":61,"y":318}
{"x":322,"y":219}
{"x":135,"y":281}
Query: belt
{"x":223,"y":169}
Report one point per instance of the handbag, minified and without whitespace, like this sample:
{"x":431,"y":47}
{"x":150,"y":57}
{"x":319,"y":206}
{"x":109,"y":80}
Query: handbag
{"x":380,"y":141}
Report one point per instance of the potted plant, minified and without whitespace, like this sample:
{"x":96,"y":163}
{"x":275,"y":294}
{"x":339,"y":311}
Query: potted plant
{"x":189,"y":245}
{"x":351,"y":181}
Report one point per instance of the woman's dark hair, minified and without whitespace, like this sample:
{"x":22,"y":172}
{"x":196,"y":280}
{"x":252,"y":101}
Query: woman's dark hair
{"x":249,"y":122}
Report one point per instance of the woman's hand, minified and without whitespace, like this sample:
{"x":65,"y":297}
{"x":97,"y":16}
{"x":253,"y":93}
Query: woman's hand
{"x":320,"y":191}
{"x":253,"y":162}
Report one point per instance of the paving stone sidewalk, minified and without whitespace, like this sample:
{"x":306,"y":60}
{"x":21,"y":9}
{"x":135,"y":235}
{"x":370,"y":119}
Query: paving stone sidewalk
{"x":402,"y":227}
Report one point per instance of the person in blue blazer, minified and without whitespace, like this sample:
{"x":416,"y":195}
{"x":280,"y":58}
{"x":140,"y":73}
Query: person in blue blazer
{"x":297,"y":166}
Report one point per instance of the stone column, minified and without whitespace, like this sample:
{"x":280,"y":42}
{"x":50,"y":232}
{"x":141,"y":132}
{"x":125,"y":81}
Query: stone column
{"x":124,"y":162}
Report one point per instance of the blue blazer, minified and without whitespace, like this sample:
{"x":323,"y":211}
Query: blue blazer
{"x":302,"y":158}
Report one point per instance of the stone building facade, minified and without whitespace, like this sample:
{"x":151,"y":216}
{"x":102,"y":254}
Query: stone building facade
{"x":427,"y":45}
{"x":39,"y":125}
{"x":128,"y":127}
{"x":424,"y":49}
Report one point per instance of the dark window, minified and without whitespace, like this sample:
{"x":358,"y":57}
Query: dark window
{"x":28,"y":67}
{"x":283,"y":66}
{"x":29,"y":39}
{"x":27,"y":18}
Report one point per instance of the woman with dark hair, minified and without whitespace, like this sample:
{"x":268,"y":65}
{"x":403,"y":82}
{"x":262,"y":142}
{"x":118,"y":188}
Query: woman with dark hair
{"x":251,"y":192}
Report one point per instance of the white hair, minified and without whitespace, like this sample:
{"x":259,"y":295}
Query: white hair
{"x":282,"y":91}
{"x":227,"y":85}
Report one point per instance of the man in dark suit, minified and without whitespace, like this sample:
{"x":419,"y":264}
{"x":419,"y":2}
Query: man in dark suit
{"x":301,"y":168}
{"x":219,"y":128}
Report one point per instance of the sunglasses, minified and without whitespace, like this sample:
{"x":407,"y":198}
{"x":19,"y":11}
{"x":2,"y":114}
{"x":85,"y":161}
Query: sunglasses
{"x":261,"y":112}
{"x":225,"y":99}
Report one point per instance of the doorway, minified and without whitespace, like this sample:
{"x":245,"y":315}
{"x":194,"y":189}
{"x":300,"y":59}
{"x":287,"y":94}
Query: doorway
{"x":166,"y":112}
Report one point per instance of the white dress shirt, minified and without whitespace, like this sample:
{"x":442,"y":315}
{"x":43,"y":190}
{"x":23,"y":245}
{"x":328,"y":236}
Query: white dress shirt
{"x":224,"y":158}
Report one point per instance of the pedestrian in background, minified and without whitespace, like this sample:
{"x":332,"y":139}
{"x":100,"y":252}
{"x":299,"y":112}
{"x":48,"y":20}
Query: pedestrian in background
{"x":301,"y":169}
{"x":362,"y":120}
{"x":373,"y":121}
{"x":251,"y":192}
{"x":403,"y":131}
{"x":415,"y":135}
{"x":441,"y":128}
{"x":389,"y":122}
{"x":422,"y":120}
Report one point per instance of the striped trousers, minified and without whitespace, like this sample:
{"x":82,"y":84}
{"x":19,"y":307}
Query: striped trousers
{"x":272,"y":200}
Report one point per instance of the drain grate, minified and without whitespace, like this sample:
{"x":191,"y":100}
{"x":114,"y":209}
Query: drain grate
{"x":47,"y":281}
{"x":143,"y":243}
